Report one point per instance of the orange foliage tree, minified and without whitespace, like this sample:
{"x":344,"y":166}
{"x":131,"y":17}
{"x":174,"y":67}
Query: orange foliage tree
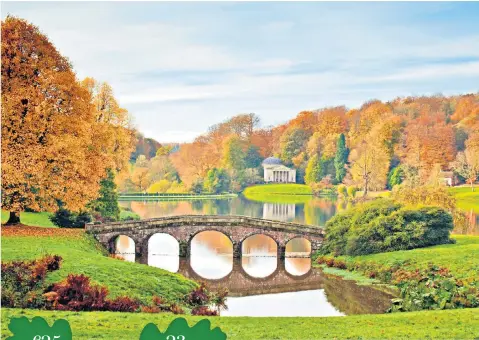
{"x":50,"y":149}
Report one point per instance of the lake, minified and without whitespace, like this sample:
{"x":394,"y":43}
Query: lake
{"x":259,"y":283}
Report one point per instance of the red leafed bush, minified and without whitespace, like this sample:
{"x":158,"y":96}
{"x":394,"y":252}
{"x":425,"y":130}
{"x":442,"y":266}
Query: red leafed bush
{"x":122,"y":304}
{"x":77,"y":294}
{"x":158,"y":301}
{"x":150,"y":309}
{"x":340,"y":264}
{"x":22,"y":281}
{"x":176,"y":309}
{"x":204,"y":311}
{"x":198,"y":296}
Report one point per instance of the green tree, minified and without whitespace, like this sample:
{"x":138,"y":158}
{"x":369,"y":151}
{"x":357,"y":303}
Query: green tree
{"x":234,"y":154}
{"x":314,"y":170}
{"x":341,"y":158}
{"x":216,"y":181}
{"x":253,"y":158}
{"x":107,"y":203}
{"x":292,"y":143}
{"x":395,"y":177}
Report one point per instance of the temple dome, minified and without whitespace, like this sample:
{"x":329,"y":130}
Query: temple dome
{"x":272,"y":161}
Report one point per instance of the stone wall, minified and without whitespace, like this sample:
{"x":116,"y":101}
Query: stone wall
{"x":184,"y":228}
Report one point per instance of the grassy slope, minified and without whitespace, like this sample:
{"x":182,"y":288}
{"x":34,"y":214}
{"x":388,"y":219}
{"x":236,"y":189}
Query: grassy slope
{"x":82,"y":255}
{"x":449,"y":324}
{"x":31,"y":218}
{"x":467,"y":199}
{"x":462,"y":258}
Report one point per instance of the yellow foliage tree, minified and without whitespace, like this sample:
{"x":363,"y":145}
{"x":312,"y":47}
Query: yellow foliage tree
{"x":369,"y":166}
{"x":50,"y":137}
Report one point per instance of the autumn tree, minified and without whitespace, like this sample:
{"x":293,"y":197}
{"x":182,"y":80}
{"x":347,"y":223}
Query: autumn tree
{"x":112,"y":131}
{"x":263,"y":140}
{"x":51,"y":150}
{"x":370,"y":164}
{"x":193,"y":160}
{"x":467,"y":162}
{"x":331,"y":121}
{"x":305,"y":120}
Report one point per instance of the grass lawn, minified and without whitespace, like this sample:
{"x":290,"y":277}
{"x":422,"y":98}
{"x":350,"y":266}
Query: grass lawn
{"x":467,"y":199}
{"x":31,"y":218}
{"x":279,"y":193}
{"x":446,"y":324}
{"x":462,"y":258}
{"x":127,"y":214}
{"x":82,"y":255}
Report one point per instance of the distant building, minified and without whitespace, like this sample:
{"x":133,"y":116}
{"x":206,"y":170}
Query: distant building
{"x":448,"y":178}
{"x":275,"y":172}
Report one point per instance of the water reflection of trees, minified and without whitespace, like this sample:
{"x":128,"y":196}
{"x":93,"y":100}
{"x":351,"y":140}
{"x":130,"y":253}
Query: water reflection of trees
{"x":316,"y":211}
{"x":351,"y":298}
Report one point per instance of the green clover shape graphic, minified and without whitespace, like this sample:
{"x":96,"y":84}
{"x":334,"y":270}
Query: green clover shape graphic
{"x":38,"y":329}
{"x":179,"y":330}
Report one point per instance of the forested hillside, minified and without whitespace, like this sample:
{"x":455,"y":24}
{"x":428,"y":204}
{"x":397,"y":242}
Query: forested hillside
{"x":372,"y":147}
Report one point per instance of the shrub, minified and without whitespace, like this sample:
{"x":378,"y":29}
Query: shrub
{"x":384,"y":226}
{"x":176,"y":309}
{"x":352,"y":190}
{"x":122,"y":304}
{"x":433,"y":288}
{"x":342,"y":191}
{"x":64,"y":218}
{"x":22,"y":281}
{"x":77,"y":294}
{"x":161,"y":186}
{"x":204,"y":311}
{"x":150,"y":309}
{"x":199,"y":296}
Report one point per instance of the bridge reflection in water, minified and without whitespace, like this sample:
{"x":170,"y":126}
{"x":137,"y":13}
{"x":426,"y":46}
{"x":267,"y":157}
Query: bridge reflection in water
{"x":260,"y":283}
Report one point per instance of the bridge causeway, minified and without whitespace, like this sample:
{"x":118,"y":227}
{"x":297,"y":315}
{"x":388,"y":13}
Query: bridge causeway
{"x":184,"y":228}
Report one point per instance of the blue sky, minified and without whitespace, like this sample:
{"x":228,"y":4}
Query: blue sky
{"x":181,"y":67}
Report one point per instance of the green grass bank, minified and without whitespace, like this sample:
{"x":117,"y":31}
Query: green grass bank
{"x":82,"y":255}
{"x":448,"y":324}
{"x":279,"y":193}
{"x":32,"y":219}
{"x":466,"y":199}
{"x":462,"y":257}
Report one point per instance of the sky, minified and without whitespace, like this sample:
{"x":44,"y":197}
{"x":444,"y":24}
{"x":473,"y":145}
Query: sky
{"x":181,"y":67}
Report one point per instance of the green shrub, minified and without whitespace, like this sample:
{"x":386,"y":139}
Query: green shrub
{"x":342,"y":191}
{"x":352,"y":190}
{"x":385,"y":226}
{"x":64,"y":218}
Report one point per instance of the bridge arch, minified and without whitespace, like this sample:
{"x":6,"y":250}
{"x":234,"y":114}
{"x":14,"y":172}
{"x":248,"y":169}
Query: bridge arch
{"x":124,"y":246}
{"x":293,"y":239}
{"x":212,"y":256}
{"x":163,"y":251}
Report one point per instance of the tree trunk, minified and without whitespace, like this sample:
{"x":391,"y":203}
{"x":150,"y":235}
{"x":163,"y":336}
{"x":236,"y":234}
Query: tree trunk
{"x":14,"y":218}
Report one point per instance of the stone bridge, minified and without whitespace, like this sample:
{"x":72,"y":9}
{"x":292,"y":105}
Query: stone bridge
{"x":183,"y":228}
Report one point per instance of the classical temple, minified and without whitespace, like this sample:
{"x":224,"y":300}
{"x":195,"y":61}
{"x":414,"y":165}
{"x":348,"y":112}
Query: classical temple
{"x":276,"y":172}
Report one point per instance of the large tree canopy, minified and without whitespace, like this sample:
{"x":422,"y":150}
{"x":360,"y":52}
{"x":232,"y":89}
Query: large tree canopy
{"x":50,"y":135}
